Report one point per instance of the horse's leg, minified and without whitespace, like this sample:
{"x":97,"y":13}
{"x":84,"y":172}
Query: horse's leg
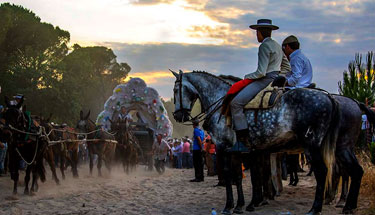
{"x":14,"y":164}
{"x":108,"y":162}
{"x":51,"y":162}
{"x":276,"y":170}
{"x":62,"y":164}
{"x":27,"y":179}
{"x":320,"y":173}
{"x":91,"y":155}
{"x":34,"y":185}
{"x":295,"y":169}
{"x":228,"y":183}
{"x":344,"y":190}
{"x":75,"y":160}
{"x":349,"y":161}
{"x":268,"y":192}
{"x":256,"y":184}
{"x":99,"y":166}
{"x":237,"y":170}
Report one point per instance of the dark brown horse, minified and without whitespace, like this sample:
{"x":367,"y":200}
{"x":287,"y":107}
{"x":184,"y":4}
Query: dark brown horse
{"x":126,"y":150}
{"x":27,"y":144}
{"x":65,"y":149}
{"x":99,"y":142}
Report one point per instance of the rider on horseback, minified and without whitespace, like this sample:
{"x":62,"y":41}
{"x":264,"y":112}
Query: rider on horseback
{"x":271,"y":60}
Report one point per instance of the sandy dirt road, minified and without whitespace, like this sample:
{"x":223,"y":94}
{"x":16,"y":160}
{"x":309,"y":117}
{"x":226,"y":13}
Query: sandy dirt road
{"x":147,"y":193}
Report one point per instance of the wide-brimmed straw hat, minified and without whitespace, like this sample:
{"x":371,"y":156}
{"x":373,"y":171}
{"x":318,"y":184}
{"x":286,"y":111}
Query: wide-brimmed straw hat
{"x":264,"y":23}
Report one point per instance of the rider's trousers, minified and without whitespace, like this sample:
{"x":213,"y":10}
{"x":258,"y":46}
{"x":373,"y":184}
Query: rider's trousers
{"x":244,"y":96}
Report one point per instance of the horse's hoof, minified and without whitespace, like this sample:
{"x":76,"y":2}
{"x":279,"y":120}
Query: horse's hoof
{"x":348,"y":211}
{"x":250,"y":208}
{"x":313,"y":212}
{"x":238,"y":210}
{"x":32,"y":193}
{"x":340,"y":204}
{"x":264,"y":202}
{"x":226,"y":211}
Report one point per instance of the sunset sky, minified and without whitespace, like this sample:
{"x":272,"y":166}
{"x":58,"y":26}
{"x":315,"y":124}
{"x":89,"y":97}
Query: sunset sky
{"x":155,"y":35}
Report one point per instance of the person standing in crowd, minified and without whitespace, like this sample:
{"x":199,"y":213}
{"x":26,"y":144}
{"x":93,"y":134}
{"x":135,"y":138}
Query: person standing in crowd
{"x":174,"y":154}
{"x":160,"y":149}
{"x":185,"y":153}
{"x":178,"y":151}
{"x":210,"y":149}
{"x":198,"y":136}
{"x":3,"y":149}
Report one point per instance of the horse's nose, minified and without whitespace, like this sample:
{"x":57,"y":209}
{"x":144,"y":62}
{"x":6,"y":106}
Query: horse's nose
{"x":178,"y":116}
{"x":181,"y":116}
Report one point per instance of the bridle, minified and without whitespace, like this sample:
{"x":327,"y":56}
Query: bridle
{"x":182,"y":108}
{"x":202,"y":116}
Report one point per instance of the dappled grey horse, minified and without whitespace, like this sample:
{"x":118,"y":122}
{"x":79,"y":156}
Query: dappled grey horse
{"x":349,"y":130}
{"x":305,"y":117}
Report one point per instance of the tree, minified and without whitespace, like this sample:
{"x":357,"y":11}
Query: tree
{"x":34,"y":61}
{"x":88,"y":76}
{"x":359,"y":82}
{"x":29,"y":50}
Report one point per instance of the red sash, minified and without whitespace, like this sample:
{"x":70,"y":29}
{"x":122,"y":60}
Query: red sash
{"x":238,"y":86}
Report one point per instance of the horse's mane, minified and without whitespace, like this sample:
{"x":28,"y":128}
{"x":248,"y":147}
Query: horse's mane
{"x":230,"y":77}
{"x":212,"y":75}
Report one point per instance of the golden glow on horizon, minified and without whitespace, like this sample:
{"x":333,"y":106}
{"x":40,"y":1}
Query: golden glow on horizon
{"x":151,"y":77}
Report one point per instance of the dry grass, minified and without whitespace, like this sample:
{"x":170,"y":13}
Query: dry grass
{"x":368,"y":183}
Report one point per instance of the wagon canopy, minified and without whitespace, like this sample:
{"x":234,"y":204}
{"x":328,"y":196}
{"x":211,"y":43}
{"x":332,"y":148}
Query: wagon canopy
{"x":143,"y":103}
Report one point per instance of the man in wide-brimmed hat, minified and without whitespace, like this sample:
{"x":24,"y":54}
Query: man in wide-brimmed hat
{"x":271,"y":60}
{"x":301,"y":74}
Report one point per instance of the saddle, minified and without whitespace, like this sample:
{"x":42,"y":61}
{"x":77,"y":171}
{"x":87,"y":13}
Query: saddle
{"x":268,"y":97}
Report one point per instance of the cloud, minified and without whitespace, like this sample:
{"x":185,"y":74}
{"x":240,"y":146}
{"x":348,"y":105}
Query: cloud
{"x":152,"y":61}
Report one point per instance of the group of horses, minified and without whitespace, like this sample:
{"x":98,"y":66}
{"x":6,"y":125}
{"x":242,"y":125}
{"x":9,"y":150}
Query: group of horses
{"x":325,"y":127}
{"x":34,"y":139}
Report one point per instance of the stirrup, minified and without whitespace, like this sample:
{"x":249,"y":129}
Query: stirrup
{"x":239,"y":147}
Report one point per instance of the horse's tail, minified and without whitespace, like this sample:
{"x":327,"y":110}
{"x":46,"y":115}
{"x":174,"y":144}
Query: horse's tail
{"x":329,"y":142}
{"x":369,"y":113}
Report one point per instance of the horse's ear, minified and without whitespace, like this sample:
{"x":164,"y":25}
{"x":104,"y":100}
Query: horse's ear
{"x":181,"y":72}
{"x":81,"y":115}
{"x":174,"y":73}
{"x":6,"y":99}
{"x":19,"y":105}
{"x":88,"y":115}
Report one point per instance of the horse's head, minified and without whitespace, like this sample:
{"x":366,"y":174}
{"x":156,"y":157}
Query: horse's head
{"x":45,"y":122}
{"x":83,"y":123}
{"x":13,"y":115}
{"x":185,"y":96}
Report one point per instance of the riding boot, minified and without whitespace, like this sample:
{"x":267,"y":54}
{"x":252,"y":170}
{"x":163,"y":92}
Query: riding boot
{"x":243,"y":142}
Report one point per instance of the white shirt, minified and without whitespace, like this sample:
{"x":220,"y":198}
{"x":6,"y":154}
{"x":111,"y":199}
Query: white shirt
{"x":270,"y":58}
{"x":122,"y":116}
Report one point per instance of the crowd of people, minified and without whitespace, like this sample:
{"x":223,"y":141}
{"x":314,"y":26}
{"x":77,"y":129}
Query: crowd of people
{"x":181,"y":153}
